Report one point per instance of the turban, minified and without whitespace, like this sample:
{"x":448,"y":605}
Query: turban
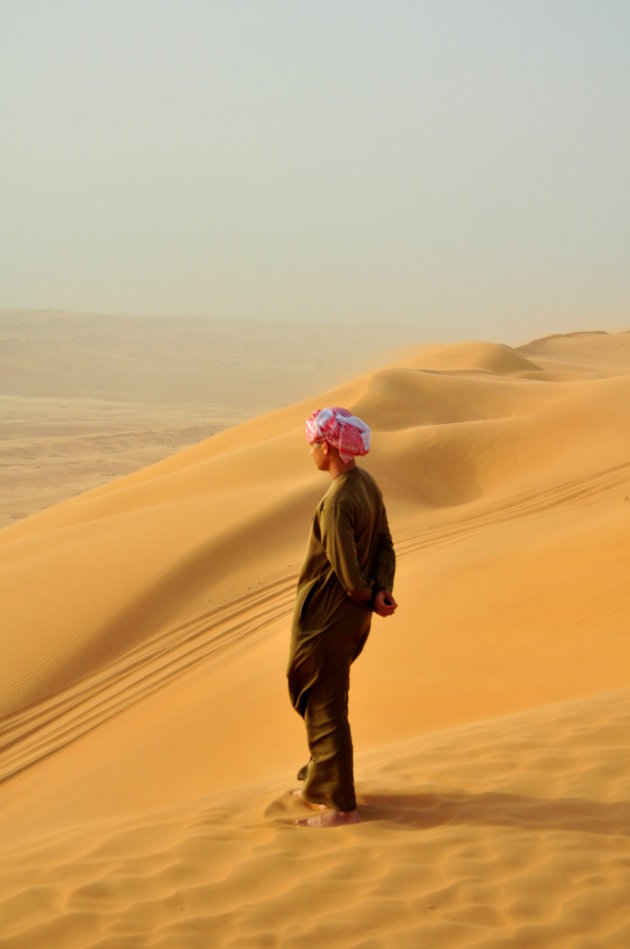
{"x":345,"y":432}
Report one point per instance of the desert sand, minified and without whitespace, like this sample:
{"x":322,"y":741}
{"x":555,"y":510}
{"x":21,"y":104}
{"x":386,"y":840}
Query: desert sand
{"x":148,"y":746}
{"x":86,"y":398}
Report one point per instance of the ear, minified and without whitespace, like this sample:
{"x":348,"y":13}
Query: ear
{"x":325,"y":447}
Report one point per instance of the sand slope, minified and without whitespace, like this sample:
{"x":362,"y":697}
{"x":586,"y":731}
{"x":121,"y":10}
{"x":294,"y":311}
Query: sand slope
{"x":506,"y":833}
{"x":148,"y":740}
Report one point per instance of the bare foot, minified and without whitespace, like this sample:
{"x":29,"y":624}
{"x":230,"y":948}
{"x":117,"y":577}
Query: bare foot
{"x":316,"y":807}
{"x":330,"y":819}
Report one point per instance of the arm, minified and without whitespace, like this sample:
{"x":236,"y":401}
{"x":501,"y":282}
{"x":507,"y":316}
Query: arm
{"x":385,"y":559}
{"x":383,"y":602}
{"x":337,"y":537}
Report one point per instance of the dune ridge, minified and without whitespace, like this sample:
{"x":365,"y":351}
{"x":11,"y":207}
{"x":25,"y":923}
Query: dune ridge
{"x":146,"y":739}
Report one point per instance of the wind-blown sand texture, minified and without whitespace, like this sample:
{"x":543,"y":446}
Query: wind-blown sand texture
{"x":148,"y":743}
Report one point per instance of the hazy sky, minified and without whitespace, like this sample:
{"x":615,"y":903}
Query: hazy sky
{"x":462,"y":165}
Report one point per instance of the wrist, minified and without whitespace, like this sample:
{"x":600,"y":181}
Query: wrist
{"x":375,"y":591}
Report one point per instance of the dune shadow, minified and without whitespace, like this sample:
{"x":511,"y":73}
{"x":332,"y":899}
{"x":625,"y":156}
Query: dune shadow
{"x":423,"y":811}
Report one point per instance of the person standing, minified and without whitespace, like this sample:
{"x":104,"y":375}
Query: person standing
{"x":347,"y":574}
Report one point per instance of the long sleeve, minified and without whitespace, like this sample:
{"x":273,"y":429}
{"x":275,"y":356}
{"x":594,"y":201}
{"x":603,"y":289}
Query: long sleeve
{"x":385,"y":559}
{"x":339,"y":543}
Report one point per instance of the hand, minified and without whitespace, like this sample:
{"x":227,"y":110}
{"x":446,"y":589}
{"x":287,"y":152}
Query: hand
{"x":384,"y":603}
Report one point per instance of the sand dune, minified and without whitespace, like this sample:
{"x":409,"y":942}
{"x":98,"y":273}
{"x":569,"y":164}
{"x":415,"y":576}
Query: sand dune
{"x":147,"y":738}
{"x":86,"y":398}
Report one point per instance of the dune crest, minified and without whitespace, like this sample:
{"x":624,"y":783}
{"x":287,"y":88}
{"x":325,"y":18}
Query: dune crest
{"x":496,"y":358}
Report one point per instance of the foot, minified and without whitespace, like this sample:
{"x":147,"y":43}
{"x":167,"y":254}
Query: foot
{"x":316,"y":807}
{"x":330,"y":819}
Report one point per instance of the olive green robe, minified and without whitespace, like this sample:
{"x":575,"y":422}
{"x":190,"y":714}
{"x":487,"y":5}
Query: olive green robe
{"x":349,"y":557}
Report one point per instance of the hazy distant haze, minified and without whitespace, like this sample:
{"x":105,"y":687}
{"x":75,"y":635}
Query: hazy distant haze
{"x":462,"y":166}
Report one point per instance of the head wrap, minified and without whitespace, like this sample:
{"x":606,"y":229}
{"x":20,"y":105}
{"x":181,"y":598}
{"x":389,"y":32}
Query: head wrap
{"x":345,"y":432}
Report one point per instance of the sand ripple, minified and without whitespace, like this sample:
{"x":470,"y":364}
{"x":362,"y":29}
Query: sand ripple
{"x":513,"y":832}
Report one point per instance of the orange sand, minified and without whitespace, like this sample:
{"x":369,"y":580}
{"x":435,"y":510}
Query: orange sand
{"x":149,"y":743}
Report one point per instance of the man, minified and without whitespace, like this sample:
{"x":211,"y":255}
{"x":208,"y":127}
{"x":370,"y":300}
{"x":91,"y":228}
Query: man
{"x":347,"y":574}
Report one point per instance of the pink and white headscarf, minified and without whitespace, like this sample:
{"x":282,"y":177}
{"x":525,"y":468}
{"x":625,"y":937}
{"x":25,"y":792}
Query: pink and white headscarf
{"x":344,"y":431}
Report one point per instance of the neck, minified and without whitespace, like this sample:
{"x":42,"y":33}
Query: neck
{"x":339,"y":467}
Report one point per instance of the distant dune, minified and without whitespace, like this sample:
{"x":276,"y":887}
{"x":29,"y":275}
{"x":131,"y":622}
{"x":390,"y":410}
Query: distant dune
{"x":87,"y":398}
{"x":148,"y":742}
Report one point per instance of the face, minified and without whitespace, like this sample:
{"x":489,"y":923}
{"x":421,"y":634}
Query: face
{"x":319,"y":454}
